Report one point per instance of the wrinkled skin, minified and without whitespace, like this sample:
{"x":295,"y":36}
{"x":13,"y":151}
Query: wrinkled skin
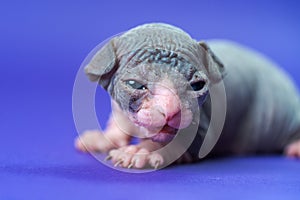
{"x":157,"y":75}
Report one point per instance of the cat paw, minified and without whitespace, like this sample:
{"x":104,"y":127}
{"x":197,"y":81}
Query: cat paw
{"x":135,"y":157}
{"x":93,"y":141}
{"x":293,"y":149}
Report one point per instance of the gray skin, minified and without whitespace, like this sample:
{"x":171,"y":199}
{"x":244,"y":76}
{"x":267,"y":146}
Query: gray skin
{"x":263,"y":106}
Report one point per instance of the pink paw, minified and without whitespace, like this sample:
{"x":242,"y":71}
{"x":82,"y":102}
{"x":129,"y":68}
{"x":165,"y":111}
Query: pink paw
{"x":93,"y":141}
{"x":135,"y":157}
{"x":293,"y":150}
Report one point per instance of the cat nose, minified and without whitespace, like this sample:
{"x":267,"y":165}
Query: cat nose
{"x":175,"y":114}
{"x":169,"y":106}
{"x":167,"y":101}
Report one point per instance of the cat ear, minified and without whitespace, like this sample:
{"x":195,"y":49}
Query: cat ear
{"x":213,"y":65}
{"x":103,"y":65}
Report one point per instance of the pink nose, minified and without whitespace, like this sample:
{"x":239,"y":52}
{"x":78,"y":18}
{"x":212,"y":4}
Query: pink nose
{"x":171,"y":108}
{"x":167,"y":102}
{"x":159,"y":111}
{"x":163,"y":108}
{"x":174,"y":115}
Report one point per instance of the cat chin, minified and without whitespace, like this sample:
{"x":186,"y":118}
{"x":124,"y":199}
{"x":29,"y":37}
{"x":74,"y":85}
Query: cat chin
{"x":162,"y":137}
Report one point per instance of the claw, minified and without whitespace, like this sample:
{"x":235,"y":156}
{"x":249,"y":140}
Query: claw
{"x":156,"y":165}
{"x":108,"y":157}
{"x":119,"y":162}
{"x":131,"y":164}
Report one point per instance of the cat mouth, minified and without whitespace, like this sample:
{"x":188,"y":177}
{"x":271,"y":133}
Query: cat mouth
{"x":166,"y":134}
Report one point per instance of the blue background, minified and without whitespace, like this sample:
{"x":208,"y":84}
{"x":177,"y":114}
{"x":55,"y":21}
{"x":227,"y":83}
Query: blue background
{"x":42,"y":44}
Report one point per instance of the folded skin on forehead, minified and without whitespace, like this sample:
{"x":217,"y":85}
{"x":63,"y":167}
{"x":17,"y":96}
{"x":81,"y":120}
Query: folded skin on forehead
{"x":157,"y":36}
{"x":169,"y":45}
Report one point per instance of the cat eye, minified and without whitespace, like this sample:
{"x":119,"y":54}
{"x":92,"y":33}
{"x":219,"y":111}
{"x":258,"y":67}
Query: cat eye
{"x":136,"y":85}
{"x":197,"y":86}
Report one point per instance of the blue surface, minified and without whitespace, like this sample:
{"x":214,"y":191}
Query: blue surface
{"x":42,"y":44}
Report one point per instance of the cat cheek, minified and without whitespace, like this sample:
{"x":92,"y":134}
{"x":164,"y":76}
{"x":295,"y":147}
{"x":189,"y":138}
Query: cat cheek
{"x":182,"y":119}
{"x":150,"y":118}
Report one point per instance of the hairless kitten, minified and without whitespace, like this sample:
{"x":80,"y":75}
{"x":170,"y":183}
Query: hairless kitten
{"x":155,"y":72}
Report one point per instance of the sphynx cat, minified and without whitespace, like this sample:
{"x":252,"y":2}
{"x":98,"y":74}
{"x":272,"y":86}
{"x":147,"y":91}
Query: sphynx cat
{"x":156,"y":72}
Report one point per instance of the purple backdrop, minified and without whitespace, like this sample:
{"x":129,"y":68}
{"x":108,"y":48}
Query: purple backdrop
{"x":42,"y":45}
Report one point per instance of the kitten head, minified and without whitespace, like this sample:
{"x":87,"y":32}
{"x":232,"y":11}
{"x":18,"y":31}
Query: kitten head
{"x":155,"y":72}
